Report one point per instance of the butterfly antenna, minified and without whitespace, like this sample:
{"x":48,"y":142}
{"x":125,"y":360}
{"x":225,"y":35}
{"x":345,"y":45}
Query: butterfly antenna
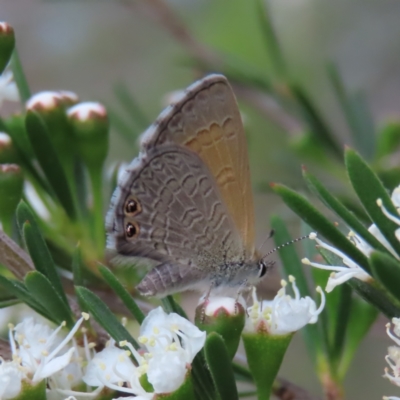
{"x":271,"y":234}
{"x":285,"y":244}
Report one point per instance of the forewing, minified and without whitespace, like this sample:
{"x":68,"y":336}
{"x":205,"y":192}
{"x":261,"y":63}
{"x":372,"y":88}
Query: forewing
{"x":207,"y":121}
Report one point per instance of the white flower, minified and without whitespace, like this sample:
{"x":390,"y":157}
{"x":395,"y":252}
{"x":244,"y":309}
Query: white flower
{"x":160,"y":331}
{"x":11,"y":375}
{"x":171,"y":342}
{"x":40,"y":349}
{"x":8,"y":88}
{"x":112,"y":368}
{"x":283,"y":314}
{"x":351,"y":269}
{"x":393,"y":356}
{"x":341,"y":274}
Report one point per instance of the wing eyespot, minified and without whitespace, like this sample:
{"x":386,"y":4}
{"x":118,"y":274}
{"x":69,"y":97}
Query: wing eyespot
{"x":132,"y":206}
{"x":132,"y":230}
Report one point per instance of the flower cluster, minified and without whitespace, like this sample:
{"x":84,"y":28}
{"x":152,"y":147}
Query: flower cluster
{"x":351,"y":269}
{"x":40,"y":353}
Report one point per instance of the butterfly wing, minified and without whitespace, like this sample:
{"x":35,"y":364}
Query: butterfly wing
{"x":168,"y":208}
{"x":207,"y":121}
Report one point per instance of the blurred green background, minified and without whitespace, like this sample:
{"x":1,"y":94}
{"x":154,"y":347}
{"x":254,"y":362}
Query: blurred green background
{"x":95,"y":48}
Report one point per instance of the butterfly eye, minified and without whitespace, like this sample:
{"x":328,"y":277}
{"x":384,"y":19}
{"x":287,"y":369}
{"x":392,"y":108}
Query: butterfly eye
{"x":131,"y":230}
{"x":263,"y":269}
{"x":132,"y":207}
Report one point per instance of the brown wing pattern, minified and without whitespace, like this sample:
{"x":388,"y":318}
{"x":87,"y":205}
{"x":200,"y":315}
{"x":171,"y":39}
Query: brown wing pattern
{"x":207,"y":121}
{"x":169,"y":199}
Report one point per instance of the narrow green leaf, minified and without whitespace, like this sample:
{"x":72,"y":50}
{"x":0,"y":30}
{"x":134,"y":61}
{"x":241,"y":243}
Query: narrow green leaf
{"x":46,"y":295}
{"x":103,"y":315}
{"x":170,"y":305}
{"x":122,"y":293}
{"x":219,"y":363}
{"x":38,"y":250}
{"x":362,"y":317}
{"x":341,"y":321}
{"x":386,"y":270}
{"x":316,"y":123}
{"x":321,"y":224}
{"x":242,"y":373}
{"x":19,"y":77}
{"x":388,"y":139}
{"x":19,"y":290}
{"x":77,"y":266}
{"x":271,"y":41}
{"x":49,"y":161}
{"x":203,"y":383}
{"x":132,"y":107}
{"x":4,"y":303}
{"x":369,"y":189}
{"x":357,"y":115}
{"x":336,"y":206}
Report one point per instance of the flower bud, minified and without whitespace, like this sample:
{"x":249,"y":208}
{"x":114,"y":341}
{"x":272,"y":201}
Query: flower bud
{"x":7,"y":150}
{"x":223,"y":315}
{"x":11,"y":185}
{"x":15,"y":125}
{"x":7,"y":43}
{"x":51,"y":107}
{"x":91,"y":126}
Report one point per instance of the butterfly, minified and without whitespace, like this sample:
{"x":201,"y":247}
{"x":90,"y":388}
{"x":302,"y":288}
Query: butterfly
{"x":185,"y":203}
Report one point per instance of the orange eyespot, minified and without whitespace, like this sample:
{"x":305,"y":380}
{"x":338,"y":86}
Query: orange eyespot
{"x":132,"y":207}
{"x":132,"y":230}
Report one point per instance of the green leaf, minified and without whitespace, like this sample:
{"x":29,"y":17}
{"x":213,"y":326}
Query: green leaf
{"x":362,"y":317}
{"x":77,"y":266}
{"x":19,"y":290}
{"x":4,"y":303}
{"x":341,"y":320}
{"x":369,"y":189}
{"x":170,"y":305}
{"x":388,"y":139}
{"x":387,"y":271}
{"x":104,"y":316}
{"x":270,"y":39}
{"x":321,"y":224}
{"x":219,"y":363}
{"x":242,"y":373}
{"x":132,"y":107}
{"x":202,"y":380}
{"x":358,"y":116}
{"x":316,"y":123}
{"x":49,"y":161}
{"x":46,"y":295}
{"x":19,"y":77}
{"x":336,"y":206}
{"x":122,"y":293}
{"x":38,"y":250}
